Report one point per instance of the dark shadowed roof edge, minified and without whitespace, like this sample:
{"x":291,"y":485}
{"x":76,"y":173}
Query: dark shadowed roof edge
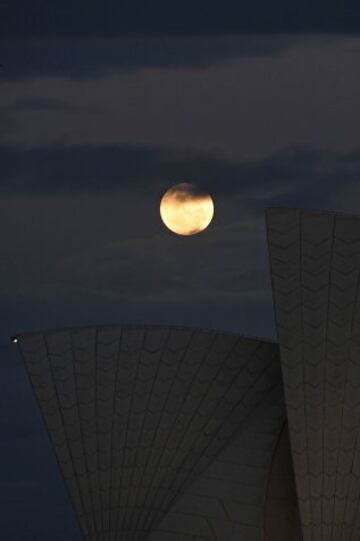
{"x":142,"y":326}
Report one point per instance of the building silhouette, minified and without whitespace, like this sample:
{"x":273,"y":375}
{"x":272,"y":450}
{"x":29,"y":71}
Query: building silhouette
{"x":176,"y":434}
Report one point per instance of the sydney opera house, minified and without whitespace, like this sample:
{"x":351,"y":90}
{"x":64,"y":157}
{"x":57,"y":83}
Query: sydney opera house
{"x":180,"y":434}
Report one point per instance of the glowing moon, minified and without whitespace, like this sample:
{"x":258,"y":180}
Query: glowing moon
{"x":185,"y":210}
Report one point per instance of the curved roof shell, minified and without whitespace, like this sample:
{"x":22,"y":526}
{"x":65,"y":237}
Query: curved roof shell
{"x":162,"y":433}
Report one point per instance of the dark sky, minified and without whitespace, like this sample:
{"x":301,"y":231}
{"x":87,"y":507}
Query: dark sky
{"x":105,"y":107}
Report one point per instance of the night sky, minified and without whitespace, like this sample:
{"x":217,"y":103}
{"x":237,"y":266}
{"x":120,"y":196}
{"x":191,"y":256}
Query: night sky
{"x":103,"y":108}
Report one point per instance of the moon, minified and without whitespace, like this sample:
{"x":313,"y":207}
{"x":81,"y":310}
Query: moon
{"x":185,"y":210}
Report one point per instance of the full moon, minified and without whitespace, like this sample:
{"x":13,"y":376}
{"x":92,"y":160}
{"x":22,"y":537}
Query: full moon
{"x":185,"y":210}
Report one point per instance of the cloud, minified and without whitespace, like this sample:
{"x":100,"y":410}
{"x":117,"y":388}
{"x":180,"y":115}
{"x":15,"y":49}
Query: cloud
{"x":48,"y":104}
{"x":83,"y":58}
{"x":87,"y":243}
{"x":80,"y":230}
{"x":284,"y":177}
{"x":246,"y":108}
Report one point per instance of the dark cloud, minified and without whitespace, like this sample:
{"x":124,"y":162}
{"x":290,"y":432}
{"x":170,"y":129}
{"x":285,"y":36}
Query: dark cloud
{"x":78,"y":58}
{"x":282,"y":178}
{"x":161,"y":17}
{"x":85,"y":228}
{"x":48,"y":104}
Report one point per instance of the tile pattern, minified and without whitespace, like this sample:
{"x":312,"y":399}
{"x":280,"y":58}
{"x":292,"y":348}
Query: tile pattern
{"x":136,"y":415}
{"x":315,"y":263}
{"x":229,"y":500}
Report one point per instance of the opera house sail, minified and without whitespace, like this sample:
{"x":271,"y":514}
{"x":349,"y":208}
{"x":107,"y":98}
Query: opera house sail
{"x":315,"y":269}
{"x":166,"y":434}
